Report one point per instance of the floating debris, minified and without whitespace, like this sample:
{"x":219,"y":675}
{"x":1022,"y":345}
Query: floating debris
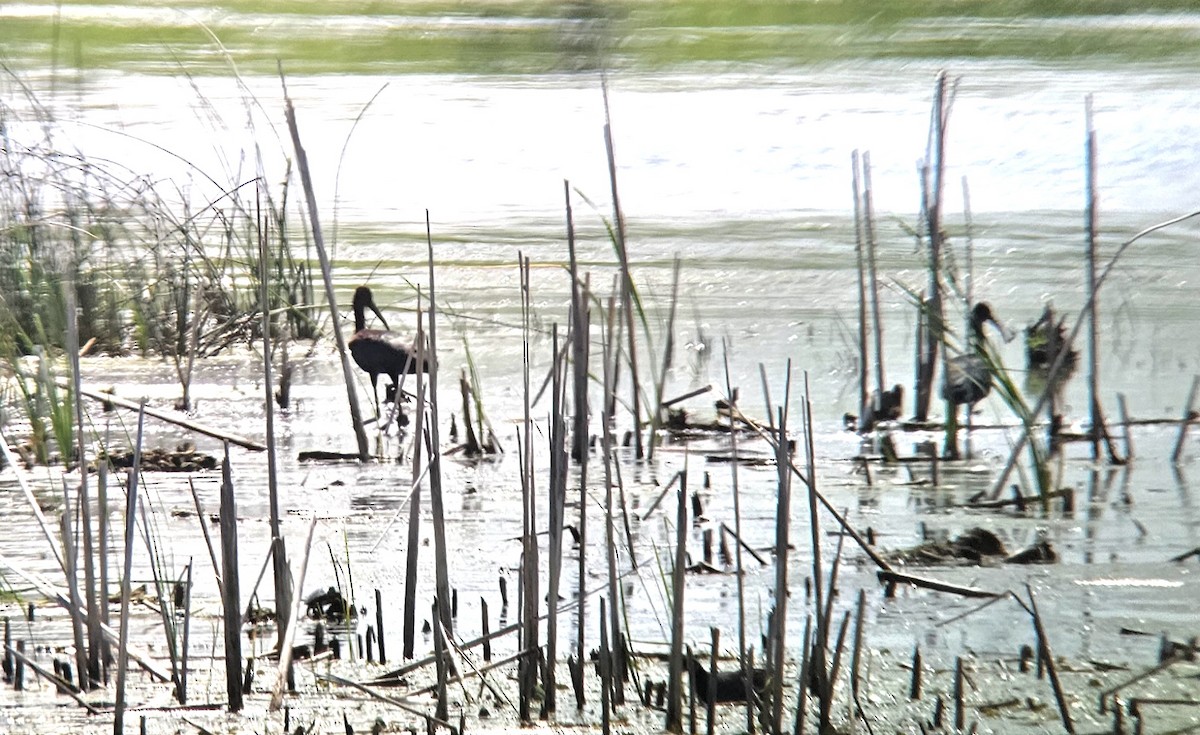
{"x":183,"y":458}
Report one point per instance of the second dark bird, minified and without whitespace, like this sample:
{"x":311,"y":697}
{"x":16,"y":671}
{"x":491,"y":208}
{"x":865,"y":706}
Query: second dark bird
{"x":968,"y":377}
{"x":381,"y":351}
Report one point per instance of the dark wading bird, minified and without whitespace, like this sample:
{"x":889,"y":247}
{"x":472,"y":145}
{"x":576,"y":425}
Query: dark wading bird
{"x":729,"y":686}
{"x":968,"y":376}
{"x":379,"y":351}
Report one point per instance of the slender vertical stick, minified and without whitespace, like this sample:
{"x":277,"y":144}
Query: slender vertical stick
{"x":379,"y":625}
{"x":414,"y":506}
{"x":626,"y":278}
{"x":860,"y":256}
{"x":1128,"y":427}
{"x":782,"y":539}
{"x":364,"y":452}
{"x":232,"y":600}
{"x":734,"y":411}
{"x":187,"y":627}
{"x":554,"y":525}
{"x":674,"y":722}
{"x":580,"y":330}
{"x":71,"y":554}
{"x":441,"y":566}
{"x":1048,"y":657}
{"x":126,"y":581}
{"x":609,"y":350}
{"x":10,"y":460}
{"x":668,"y":352}
{"x":1091,"y":213}
{"x":527,"y":668}
{"x":960,"y":714}
{"x":102,"y":543}
{"x":605,"y":676}
{"x":1185,"y":421}
{"x":91,"y":675}
{"x":868,"y":206}
{"x":279,"y":567}
{"x":856,"y":655}
{"x":285,"y":653}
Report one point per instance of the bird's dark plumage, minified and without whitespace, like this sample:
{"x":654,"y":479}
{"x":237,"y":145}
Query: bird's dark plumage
{"x":730,"y":686}
{"x":380,"y":351}
{"x":968,"y":379}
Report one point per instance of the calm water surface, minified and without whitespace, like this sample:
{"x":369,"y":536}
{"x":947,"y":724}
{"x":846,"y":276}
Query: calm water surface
{"x":742,"y":169}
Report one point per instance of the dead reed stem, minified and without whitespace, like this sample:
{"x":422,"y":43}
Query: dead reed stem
{"x":782,"y":534}
{"x":1092,"y":220}
{"x":360,"y":434}
{"x":436,"y":502}
{"x":289,"y":638}
{"x":89,"y":677}
{"x":656,"y":417}
{"x":1186,"y":421}
{"x":102,"y":543}
{"x":527,"y":668}
{"x":608,"y":355}
{"x":580,"y":346}
{"x":76,"y":609}
{"x":212,"y":553}
{"x":860,"y":257}
{"x":126,"y":581}
{"x":627,"y":288}
{"x":414,"y":508}
{"x":171,"y":417}
{"x":231,"y":600}
{"x":731,"y":398}
{"x":674,"y":721}
{"x":868,"y":207}
{"x":1048,"y":657}
{"x":279,"y":568}
{"x":554,"y":523}
{"x":11,"y":460}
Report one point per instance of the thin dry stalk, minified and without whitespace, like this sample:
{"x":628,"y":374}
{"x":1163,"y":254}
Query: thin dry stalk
{"x":1092,"y":217}
{"x":580,"y":346}
{"x":608,"y":356}
{"x":103,"y":535}
{"x":626,"y":279}
{"x":187,"y":627}
{"x":527,"y":668}
{"x":279,"y":568}
{"x":414,"y":508}
{"x":554,"y":524}
{"x":868,"y":207}
{"x":656,"y":418}
{"x":782,"y":536}
{"x":436,"y":503}
{"x":730,"y":397}
{"x":171,"y":417}
{"x":360,"y":433}
{"x":231,"y":599}
{"x":126,"y":581}
{"x":1186,"y":421}
{"x":289,"y":639}
{"x":674,"y":721}
{"x":1048,"y":657}
{"x":90,"y":676}
{"x":11,"y":461}
{"x":860,"y":257}
{"x":71,"y":554}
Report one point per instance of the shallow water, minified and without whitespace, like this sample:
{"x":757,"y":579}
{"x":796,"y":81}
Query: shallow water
{"x":741,"y":167}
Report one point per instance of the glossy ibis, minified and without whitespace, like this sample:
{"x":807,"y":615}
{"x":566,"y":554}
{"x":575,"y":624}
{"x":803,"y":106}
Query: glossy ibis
{"x":379,"y":351}
{"x":729,"y":686}
{"x":968,"y":377}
